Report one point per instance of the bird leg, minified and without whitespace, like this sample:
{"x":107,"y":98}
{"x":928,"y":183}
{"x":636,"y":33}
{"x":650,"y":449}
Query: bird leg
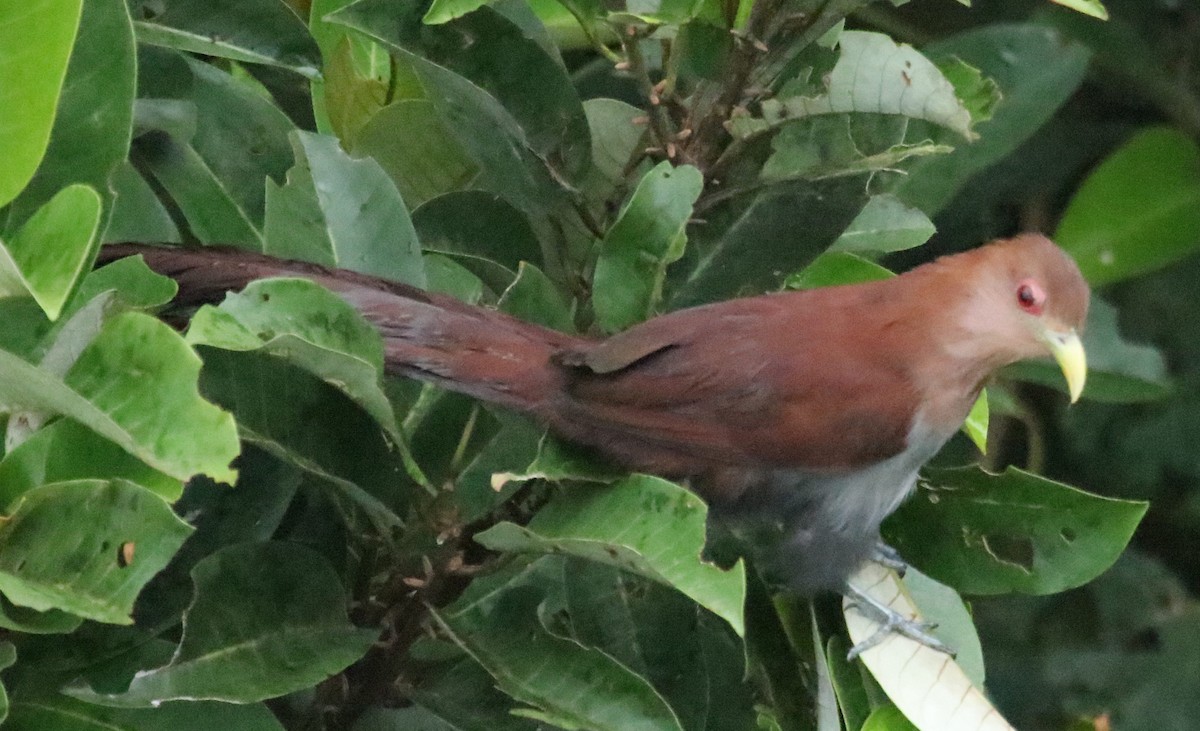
{"x":889,"y":557}
{"x":890,"y":623}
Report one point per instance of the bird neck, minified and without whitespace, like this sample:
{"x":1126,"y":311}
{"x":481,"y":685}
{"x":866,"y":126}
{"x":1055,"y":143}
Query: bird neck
{"x":956,"y":312}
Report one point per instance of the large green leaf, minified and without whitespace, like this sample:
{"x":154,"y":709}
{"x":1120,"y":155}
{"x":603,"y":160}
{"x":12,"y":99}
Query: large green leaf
{"x":1093,"y":8}
{"x":252,"y":31}
{"x":1138,"y":211}
{"x":1037,"y":71}
{"x":643,"y":524}
{"x":512,"y":112}
{"x":55,"y":554}
{"x":48,"y":256}
{"x":534,"y":298}
{"x":302,"y":419}
{"x":308,"y":326}
{"x":462,"y":694}
{"x":885,"y":225}
{"x":138,"y":214}
{"x":481,"y":231}
{"x":65,"y":450}
{"x":569,"y":685}
{"x":873,"y":75}
{"x":215,"y":147}
{"x":35,"y":43}
{"x":341,"y":212}
{"x":90,"y":139}
{"x":693,"y":658}
{"x":135,"y":385}
{"x":988,"y":534}
{"x":437,"y":164}
{"x":647,"y":236}
{"x":268,"y":619}
{"x":773,"y":233}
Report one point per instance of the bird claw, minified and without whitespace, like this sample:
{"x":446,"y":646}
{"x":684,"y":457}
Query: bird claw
{"x":890,"y":623}
{"x":890,"y":558}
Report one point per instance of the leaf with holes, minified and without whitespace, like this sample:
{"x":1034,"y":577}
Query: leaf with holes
{"x":55,"y":554}
{"x":873,"y":75}
{"x":268,"y":619}
{"x":985,"y":533}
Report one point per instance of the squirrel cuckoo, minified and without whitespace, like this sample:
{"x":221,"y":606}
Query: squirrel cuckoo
{"x":802,"y":417}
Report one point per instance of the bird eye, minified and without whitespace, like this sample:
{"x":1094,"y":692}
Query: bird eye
{"x":1030,"y":297}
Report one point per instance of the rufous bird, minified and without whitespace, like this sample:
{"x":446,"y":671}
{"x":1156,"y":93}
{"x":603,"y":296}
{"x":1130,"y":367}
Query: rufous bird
{"x":805,"y":415}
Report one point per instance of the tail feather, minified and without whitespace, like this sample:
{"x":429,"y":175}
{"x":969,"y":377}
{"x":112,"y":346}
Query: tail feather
{"x":474,"y":350}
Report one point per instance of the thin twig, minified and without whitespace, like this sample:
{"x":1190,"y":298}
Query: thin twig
{"x":660,"y":123}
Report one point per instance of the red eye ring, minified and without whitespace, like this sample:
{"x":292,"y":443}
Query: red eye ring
{"x":1030,"y":297}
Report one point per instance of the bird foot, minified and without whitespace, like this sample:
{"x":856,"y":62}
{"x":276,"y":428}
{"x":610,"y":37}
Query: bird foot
{"x":889,"y":558}
{"x":890,"y":623}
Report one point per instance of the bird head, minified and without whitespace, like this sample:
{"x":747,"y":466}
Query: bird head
{"x":1032,"y":301}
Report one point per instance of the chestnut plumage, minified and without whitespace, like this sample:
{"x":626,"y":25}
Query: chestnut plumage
{"x":803,"y":417}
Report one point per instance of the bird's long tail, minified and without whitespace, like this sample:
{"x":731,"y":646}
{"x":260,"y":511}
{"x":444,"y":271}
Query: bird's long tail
{"x":474,"y":350}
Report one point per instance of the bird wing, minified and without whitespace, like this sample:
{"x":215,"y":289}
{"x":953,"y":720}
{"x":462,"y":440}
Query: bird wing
{"x":781,"y":381}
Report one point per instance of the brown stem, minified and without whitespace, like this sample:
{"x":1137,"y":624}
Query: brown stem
{"x":660,"y":122}
{"x":710,"y":135}
{"x":401,"y":608}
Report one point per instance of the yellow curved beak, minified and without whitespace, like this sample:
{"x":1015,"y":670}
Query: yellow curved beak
{"x":1067,"y":349}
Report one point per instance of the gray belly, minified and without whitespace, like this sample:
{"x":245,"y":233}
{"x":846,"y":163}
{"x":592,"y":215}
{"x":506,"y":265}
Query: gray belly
{"x":808,"y":532}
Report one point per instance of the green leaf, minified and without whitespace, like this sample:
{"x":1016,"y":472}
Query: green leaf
{"x":464,"y":695}
{"x":571,"y":686}
{"x":692,"y":658}
{"x":137,"y":213}
{"x":1093,"y":8}
{"x":437,"y":165}
{"x":23,"y":619}
{"x":888,"y":718}
{"x":978,"y":93}
{"x":1138,"y":211}
{"x":772,"y":233}
{"x":511,"y":107}
{"x":66,"y":450}
{"x":873,"y":75}
{"x":134,"y":282}
{"x":988,"y":534}
{"x":341,"y":212}
{"x":268,"y":619}
{"x":135,"y":385}
{"x":49,"y":254}
{"x":660,"y":12}
{"x":251,"y":31}
{"x":883,"y":226}
{"x":1037,"y":70}
{"x":55,"y":554}
{"x":615,"y":140}
{"x":90,"y":138}
{"x":481,"y":231}
{"x":215,"y":172}
{"x":299,"y":418}
{"x":352,"y":99}
{"x":534,"y":298}
{"x":976,"y":425}
{"x":643,"y":524}
{"x":446,"y":276}
{"x":953,"y":625}
{"x":835,"y":268}
{"x":1119,"y":371}
{"x":443,"y":11}
{"x":647,"y":237}
{"x":35,"y":44}
{"x":308,"y":326}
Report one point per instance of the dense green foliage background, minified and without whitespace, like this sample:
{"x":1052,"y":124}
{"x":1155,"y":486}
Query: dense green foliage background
{"x":231,"y":518}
